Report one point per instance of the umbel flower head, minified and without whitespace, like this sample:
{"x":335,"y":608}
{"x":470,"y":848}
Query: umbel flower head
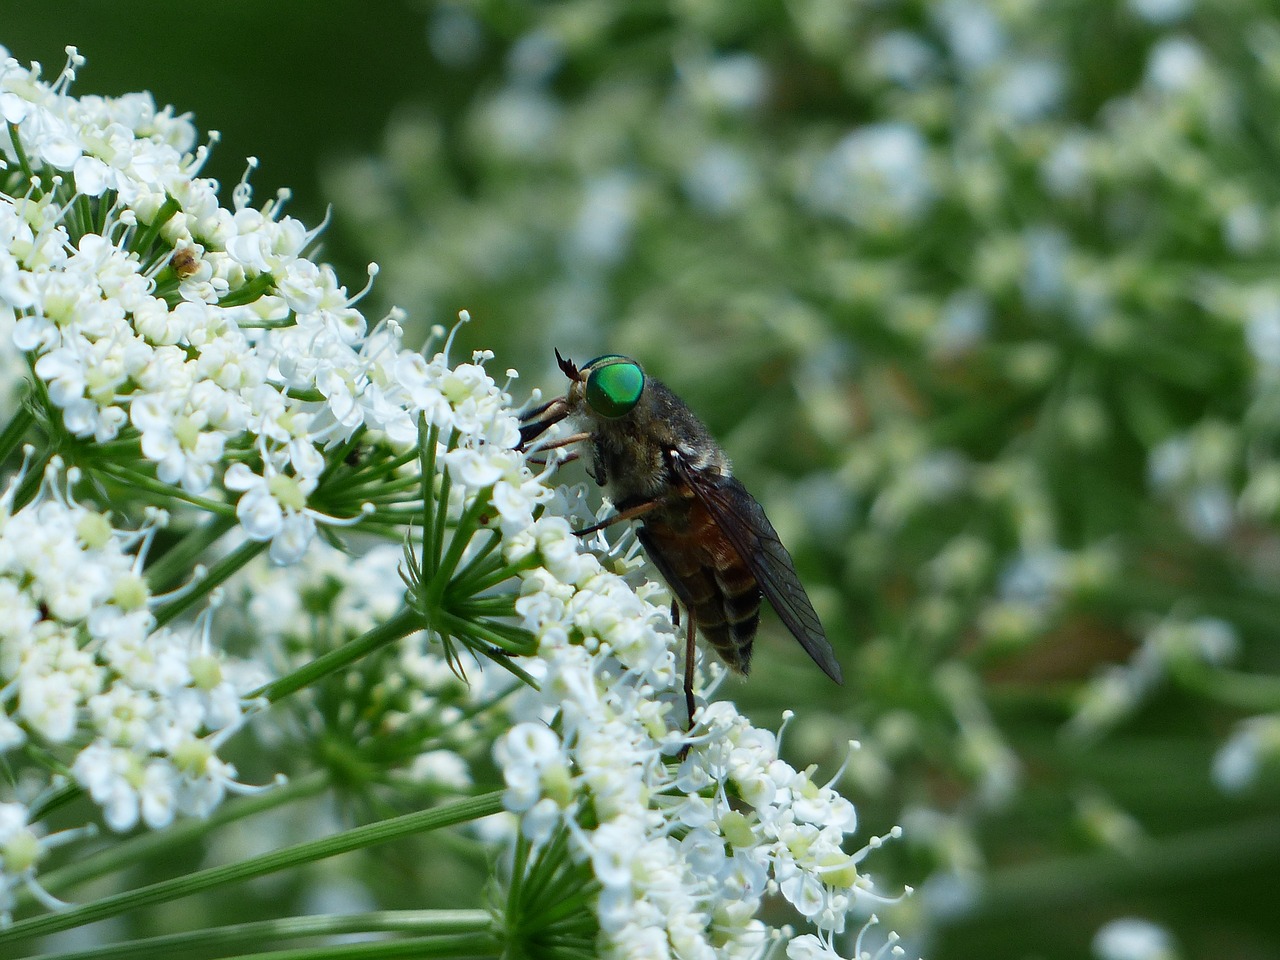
{"x":138,"y":711}
{"x":186,"y":356}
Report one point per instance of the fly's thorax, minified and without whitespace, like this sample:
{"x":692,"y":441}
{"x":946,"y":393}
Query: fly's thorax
{"x":633,"y":452}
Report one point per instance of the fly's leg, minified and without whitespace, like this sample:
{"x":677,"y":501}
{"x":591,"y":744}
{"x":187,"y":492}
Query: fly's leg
{"x":541,"y":461}
{"x":690,"y":706}
{"x":688,"y":670}
{"x":639,"y":510}
{"x":562,"y":442}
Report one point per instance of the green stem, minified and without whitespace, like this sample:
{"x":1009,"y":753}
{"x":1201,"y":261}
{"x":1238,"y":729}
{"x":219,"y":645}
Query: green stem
{"x":442,"y":512}
{"x":1243,"y":691}
{"x":385,"y":528}
{"x":250,"y":292}
{"x":143,"y":241}
{"x":459,"y":627}
{"x":499,"y":606}
{"x":23,"y":161}
{"x":128,"y":853}
{"x":337,"y":458}
{"x":216,"y":575}
{"x":398,"y":461}
{"x":297,"y":855}
{"x":506,"y":572}
{"x":177,"y":560}
{"x":15,"y":430}
{"x":427,"y":442}
{"x":549,"y":866}
{"x":35,"y":476}
{"x":132,"y":478}
{"x":479,"y":944}
{"x":123,"y":447}
{"x":290,"y":321}
{"x":58,"y":798}
{"x":85,"y":220}
{"x":470,"y":945}
{"x":220,"y":940}
{"x":399,"y":626}
{"x":373,"y":475}
{"x":479,"y":563}
{"x":377,"y":488}
{"x":462,"y":535}
{"x":515,"y":890}
{"x":572,"y":905}
{"x":508,"y":636}
{"x":103,"y":208}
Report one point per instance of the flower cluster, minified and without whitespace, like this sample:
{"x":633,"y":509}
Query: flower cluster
{"x":136,"y":713}
{"x":186,"y":356}
{"x":420,"y":719}
{"x":149,"y":311}
{"x":684,"y":855}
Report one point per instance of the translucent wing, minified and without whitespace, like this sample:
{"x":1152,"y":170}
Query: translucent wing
{"x":743,"y":522}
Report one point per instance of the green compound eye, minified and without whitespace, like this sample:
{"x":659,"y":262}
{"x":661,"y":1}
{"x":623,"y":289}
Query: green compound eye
{"x":614,"y":388}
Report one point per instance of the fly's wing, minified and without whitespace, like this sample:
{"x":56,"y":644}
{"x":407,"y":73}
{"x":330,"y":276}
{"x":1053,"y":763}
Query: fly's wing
{"x":743,"y":522}
{"x":659,"y":560}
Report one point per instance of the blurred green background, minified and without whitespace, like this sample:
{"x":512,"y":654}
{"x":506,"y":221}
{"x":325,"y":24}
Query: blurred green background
{"x":981,"y":296}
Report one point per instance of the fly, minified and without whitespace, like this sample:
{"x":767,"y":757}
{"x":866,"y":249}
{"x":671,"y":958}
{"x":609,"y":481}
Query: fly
{"x":707,"y":535}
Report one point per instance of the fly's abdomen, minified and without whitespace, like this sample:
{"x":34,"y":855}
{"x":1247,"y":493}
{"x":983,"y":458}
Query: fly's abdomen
{"x":736,"y":604}
{"x":709,"y":579}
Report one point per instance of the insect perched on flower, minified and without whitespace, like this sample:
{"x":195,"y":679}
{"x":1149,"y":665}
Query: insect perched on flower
{"x":184,"y":263}
{"x":708,"y":537}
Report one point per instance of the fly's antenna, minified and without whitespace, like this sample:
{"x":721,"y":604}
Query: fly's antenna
{"x":568,"y":367}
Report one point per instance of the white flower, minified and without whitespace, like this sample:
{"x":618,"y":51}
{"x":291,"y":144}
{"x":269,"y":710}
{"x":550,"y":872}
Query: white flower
{"x":973,"y":31}
{"x":734,"y":83}
{"x":202,"y":778}
{"x":1028,"y":91}
{"x":264,"y":245}
{"x":1161,"y":12}
{"x":475,"y":468}
{"x":422,"y":384}
{"x":605,"y":218}
{"x":123,"y":714}
{"x":515,"y":495}
{"x":93,"y":669}
{"x":110,"y":774}
{"x":273,"y":507}
{"x":176,"y":437}
{"x":157,"y":794}
{"x":1254,"y":744}
{"x":721,"y":179}
{"x":1262,"y":327}
{"x":877,"y":177}
{"x":22,"y":848}
{"x":534,"y":764}
{"x":613,"y":847}
{"x":1132,"y":938}
{"x":1176,"y":65}
{"x":242,"y":365}
{"x":442,"y":768}
{"x":810,"y":947}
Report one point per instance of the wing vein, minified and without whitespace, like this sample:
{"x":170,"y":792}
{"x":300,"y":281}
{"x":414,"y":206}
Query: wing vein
{"x":743,"y":522}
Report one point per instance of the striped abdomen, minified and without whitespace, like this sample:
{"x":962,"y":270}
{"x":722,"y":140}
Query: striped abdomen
{"x":707,"y":576}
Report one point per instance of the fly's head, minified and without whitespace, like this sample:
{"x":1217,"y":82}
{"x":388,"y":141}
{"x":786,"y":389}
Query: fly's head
{"x":605,"y":393}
